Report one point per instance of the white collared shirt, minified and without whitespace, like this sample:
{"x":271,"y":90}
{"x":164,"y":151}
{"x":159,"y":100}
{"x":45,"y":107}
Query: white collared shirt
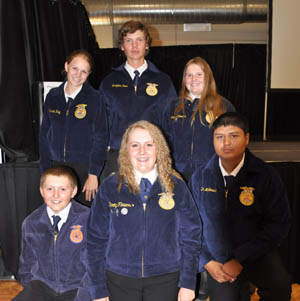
{"x":73,"y":95}
{"x":63,"y":215}
{"x":131,"y":70}
{"x":151,"y":176}
{"x":234,"y":172}
{"x":192,"y":96}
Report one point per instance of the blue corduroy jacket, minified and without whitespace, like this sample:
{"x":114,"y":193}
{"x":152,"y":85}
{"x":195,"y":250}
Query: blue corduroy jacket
{"x":61,"y":264}
{"x":74,"y":132}
{"x":191,"y":144}
{"x":125,"y":239}
{"x":155,"y":89}
{"x":235,"y":230}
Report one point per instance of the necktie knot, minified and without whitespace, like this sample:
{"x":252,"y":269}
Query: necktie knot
{"x":70,"y":99}
{"x":145,"y":186}
{"x":56,"y":219}
{"x":229,"y":181}
{"x":195,"y":103}
{"x":136,"y":79}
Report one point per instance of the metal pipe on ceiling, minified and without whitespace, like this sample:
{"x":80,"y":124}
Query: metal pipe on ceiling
{"x":112,"y":12}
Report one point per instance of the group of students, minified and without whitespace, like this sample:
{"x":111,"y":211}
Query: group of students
{"x":180,"y":192}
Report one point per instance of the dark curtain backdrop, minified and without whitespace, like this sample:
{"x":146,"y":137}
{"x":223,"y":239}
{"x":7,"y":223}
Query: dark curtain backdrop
{"x":239,"y":70}
{"x":35,"y":37}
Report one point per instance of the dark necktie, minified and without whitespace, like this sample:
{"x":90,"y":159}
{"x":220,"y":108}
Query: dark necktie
{"x":229,"y":182}
{"x":195,"y":103}
{"x":136,"y":80}
{"x":145,"y":186}
{"x":56,"y":219}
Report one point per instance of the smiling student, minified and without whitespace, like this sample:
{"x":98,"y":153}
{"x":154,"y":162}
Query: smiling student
{"x":52,"y":265}
{"x":74,"y":126}
{"x":246,"y":215}
{"x":144,"y":234}
{"x":134,"y":91}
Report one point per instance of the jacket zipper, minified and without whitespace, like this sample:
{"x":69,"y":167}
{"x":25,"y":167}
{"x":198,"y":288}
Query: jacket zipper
{"x":192,"y":145}
{"x":67,"y":115}
{"x":143,"y":251}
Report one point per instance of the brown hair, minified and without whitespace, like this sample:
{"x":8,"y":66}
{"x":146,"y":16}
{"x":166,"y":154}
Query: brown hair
{"x":132,"y":27}
{"x":210,"y":101}
{"x":82,"y":53}
{"x":163,"y":159}
{"x":59,"y":171}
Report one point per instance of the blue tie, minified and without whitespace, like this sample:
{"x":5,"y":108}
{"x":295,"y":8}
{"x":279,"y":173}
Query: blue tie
{"x":229,"y":181}
{"x":56,"y":219}
{"x":136,"y":80}
{"x":145,"y":186}
{"x":195,"y":103}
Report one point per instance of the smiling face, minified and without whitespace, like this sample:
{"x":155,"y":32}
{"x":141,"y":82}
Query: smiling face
{"x":141,"y":150}
{"x":194,"y":79}
{"x":134,"y":47}
{"x":230,"y":143}
{"x":57,"y":192}
{"x":77,"y":71}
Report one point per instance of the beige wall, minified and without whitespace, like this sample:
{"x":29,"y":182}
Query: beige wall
{"x":167,"y":35}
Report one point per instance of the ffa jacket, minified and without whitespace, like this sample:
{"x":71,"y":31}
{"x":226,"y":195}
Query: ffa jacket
{"x":74,"y":132}
{"x":125,"y":106}
{"x":128,"y":240}
{"x":251,"y":221}
{"x":58,"y":263}
{"x":191,"y":144}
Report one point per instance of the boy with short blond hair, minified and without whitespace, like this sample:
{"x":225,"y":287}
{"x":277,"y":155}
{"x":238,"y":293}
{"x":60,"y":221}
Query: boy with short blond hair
{"x":52,"y":260}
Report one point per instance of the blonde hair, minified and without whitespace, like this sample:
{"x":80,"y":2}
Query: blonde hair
{"x":163,"y":159}
{"x":210,"y":101}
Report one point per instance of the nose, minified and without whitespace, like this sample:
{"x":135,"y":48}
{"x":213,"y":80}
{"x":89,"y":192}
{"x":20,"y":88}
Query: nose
{"x":134,"y":44}
{"x":142,"y":150}
{"x":56,"y":193}
{"x":227,"y":140}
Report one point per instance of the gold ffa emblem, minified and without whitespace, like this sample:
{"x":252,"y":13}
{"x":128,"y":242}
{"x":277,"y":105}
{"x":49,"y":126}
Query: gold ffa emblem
{"x":151,"y":89}
{"x":247,"y":196}
{"x":76,"y":235}
{"x":209,"y":117}
{"x":80,"y":111}
{"x":166,"y":201}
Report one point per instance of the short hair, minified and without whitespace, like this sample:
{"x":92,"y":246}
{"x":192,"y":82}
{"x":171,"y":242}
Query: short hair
{"x":132,"y":27}
{"x":59,"y":171}
{"x":82,"y":53}
{"x":234,"y":119}
{"x":163,"y":158}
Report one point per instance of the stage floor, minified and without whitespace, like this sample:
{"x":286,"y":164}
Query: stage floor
{"x":270,"y":151}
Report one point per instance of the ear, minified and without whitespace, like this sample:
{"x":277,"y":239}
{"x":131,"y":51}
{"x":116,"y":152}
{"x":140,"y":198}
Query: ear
{"x":247,"y":138}
{"x":41,"y":191}
{"x":66,"y":67}
{"x":74,"y":191}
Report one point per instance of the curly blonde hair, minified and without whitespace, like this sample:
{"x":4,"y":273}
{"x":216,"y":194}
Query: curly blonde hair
{"x":210,"y":101}
{"x":163,"y":159}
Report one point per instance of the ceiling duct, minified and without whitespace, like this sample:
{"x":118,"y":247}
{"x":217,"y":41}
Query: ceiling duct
{"x":110,"y":12}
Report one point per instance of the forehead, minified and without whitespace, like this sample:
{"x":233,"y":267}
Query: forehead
{"x":139,"y":134}
{"x":57,"y":180}
{"x":194,"y":68}
{"x":226,"y":130}
{"x":137,"y":34}
{"x":80,"y":59}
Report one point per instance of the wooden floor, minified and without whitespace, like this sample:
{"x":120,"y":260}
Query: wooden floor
{"x":9,"y":289}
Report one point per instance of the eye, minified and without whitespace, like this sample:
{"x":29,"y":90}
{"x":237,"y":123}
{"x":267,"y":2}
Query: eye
{"x":149,"y":144}
{"x":219,"y":137}
{"x":188,"y":75}
{"x":134,"y":145}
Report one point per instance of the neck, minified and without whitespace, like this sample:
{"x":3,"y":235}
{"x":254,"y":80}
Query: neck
{"x":70,"y":89}
{"x":230,"y":165}
{"x":135,"y":63}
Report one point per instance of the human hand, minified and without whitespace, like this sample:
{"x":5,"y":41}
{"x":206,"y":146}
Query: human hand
{"x":90,"y":187}
{"x":102,"y":299}
{"x":215,"y":269}
{"x":186,"y":294}
{"x":232,"y":267}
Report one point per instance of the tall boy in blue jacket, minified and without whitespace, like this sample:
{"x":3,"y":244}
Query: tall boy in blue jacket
{"x":245,"y":217}
{"x":52,"y":261}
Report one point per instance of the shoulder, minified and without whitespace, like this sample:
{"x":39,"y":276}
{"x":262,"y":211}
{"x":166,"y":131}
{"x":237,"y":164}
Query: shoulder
{"x":228,"y":105}
{"x":55,"y":92}
{"x":35,"y":215}
{"x":157,"y":73}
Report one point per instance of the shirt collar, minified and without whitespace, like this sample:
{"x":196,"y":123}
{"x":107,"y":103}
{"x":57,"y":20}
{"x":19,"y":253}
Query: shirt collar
{"x":63,"y":214}
{"x":235,"y":171}
{"x":151,"y":176}
{"x":131,"y":70}
{"x":74,"y":94}
{"x":192,"y":96}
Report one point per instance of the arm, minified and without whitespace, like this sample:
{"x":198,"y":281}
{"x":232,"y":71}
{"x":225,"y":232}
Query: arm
{"x":98,"y":235}
{"x":215,"y":269}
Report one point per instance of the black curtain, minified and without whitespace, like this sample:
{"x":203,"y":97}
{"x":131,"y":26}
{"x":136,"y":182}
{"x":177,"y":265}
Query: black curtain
{"x":239,"y":70}
{"x":35,"y":38}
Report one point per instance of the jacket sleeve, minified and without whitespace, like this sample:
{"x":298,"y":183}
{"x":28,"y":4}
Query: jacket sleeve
{"x":190,"y":228}
{"x":98,"y":235}
{"x":275,"y":224}
{"x":100,"y":138}
{"x":28,"y":258}
{"x":45,"y":157}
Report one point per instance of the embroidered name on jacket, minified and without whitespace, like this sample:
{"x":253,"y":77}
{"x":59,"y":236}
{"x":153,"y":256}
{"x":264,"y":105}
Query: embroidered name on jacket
{"x":76,"y":235}
{"x":208,"y":189}
{"x":55,"y":111}
{"x":119,"y":204}
{"x":119,"y":86}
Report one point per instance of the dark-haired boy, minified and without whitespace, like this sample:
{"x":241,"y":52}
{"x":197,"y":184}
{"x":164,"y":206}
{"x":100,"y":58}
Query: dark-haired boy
{"x":52,"y":261}
{"x":245,"y":217}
